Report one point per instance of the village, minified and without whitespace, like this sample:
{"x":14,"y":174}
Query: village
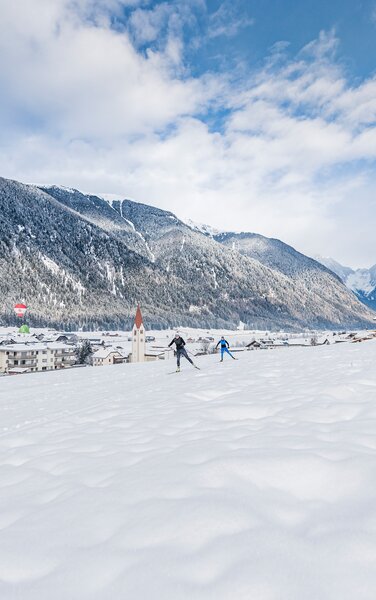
{"x":23,"y":351}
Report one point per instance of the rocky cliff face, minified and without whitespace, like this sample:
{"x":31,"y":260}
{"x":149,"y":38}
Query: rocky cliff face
{"x":80,"y":261}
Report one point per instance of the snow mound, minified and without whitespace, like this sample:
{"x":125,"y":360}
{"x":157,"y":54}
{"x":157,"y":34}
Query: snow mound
{"x":246,"y":480}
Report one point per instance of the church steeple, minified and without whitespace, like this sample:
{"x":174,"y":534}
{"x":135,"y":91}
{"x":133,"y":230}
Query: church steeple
{"x":138,"y":338}
{"x":138,"y":319}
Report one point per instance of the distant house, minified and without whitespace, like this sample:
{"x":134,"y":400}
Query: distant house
{"x":299,"y":342}
{"x":161,"y":352}
{"x":256,"y":345}
{"x":280,"y":344}
{"x":151,"y":355}
{"x":362,"y":338}
{"x":61,"y":338}
{"x":107,"y":356}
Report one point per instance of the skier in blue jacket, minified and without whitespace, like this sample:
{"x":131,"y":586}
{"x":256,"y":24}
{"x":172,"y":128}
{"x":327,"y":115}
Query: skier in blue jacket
{"x":224,"y":348}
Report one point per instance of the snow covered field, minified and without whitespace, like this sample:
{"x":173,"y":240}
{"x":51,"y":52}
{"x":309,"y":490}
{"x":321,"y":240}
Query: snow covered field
{"x":251,"y":480}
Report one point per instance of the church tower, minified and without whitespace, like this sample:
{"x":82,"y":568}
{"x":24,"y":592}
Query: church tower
{"x":138,"y":338}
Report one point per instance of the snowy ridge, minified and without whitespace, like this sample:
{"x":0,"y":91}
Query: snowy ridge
{"x":63,"y":188}
{"x":212,"y":483}
{"x":361,"y":281}
{"x":202,"y":228}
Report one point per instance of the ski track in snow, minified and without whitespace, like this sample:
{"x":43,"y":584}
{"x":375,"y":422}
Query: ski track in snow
{"x":250,"y":480}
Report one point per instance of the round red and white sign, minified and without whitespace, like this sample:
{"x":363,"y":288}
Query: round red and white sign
{"x":20,"y":309}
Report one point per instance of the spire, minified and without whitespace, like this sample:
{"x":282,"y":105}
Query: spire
{"x":138,"y":319}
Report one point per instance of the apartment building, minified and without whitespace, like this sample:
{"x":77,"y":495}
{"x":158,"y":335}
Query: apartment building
{"x":36,"y":357}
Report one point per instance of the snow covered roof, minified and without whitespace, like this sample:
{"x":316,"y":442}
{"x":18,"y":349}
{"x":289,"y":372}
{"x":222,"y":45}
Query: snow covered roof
{"x":299,"y":342}
{"x":104,"y":353}
{"x":6,"y":340}
{"x":35,"y":346}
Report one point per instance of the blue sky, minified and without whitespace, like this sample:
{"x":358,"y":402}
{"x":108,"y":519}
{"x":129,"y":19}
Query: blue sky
{"x":248,"y":30}
{"x":246,"y":115}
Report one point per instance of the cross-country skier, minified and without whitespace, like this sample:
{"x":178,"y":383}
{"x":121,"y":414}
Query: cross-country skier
{"x":180,"y":351}
{"x":224,"y":348}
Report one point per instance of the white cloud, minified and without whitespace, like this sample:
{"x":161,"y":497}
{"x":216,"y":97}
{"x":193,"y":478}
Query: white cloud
{"x":227,"y":20}
{"x":82,"y":107}
{"x":85,"y":80}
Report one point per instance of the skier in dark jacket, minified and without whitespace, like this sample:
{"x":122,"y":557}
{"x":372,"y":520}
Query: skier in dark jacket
{"x":224,"y":348}
{"x":180,"y":350}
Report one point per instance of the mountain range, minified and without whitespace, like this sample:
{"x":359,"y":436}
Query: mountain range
{"x":360,"y":281}
{"x":78,"y":260}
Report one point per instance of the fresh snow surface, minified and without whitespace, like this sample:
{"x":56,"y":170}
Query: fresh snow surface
{"x":248,"y":480}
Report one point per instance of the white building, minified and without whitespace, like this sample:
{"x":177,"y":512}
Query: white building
{"x":36,"y":357}
{"x":107,"y":356}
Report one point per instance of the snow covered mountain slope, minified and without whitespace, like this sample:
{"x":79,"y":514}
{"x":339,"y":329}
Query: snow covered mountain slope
{"x":249,"y":479}
{"x":99,"y":212}
{"x":277,"y":277}
{"x":361,"y":281}
{"x":272,"y":253}
{"x":306,"y":274}
{"x":69,"y":271}
{"x":107,"y":256}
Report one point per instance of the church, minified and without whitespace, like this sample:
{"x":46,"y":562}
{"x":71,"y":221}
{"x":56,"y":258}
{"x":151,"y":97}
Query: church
{"x":139,"y":352}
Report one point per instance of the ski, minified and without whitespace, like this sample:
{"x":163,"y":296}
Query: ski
{"x":172,"y":372}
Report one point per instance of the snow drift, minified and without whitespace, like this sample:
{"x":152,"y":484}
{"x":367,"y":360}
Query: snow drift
{"x":252,"y":479}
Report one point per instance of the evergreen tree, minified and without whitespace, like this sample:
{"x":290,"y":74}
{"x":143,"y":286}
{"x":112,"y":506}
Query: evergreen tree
{"x":84,"y":353}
